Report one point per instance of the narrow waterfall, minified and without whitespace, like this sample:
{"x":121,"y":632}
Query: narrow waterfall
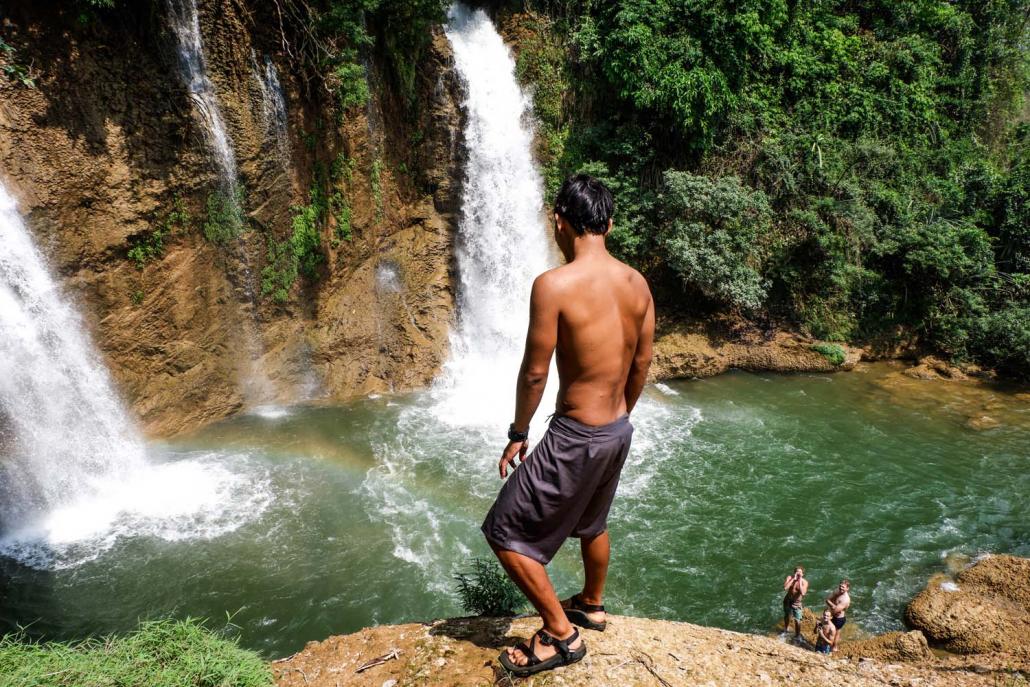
{"x":185,"y":23}
{"x":62,"y":427}
{"x":503,"y":241}
{"x":273,"y":105}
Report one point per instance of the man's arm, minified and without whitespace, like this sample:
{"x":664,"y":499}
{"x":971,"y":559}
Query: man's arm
{"x":541,"y":339}
{"x":641,"y":358}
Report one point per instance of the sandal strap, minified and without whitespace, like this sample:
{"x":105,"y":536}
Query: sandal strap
{"x":529,"y":651}
{"x":580,"y":605}
{"x":562,"y":645}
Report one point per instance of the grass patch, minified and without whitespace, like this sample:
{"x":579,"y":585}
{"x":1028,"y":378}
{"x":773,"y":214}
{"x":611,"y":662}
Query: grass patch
{"x":486,"y":590}
{"x":162,"y":653}
{"x":832,"y":352}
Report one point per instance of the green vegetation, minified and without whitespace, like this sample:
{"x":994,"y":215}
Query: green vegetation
{"x":832,"y":352}
{"x":486,"y":590}
{"x":225,"y":218}
{"x":857,"y":171}
{"x":376,"y":181}
{"x":338,"y":34}
{"x":152,"y":244}
{"x":13,"y":70}
{"x":301,"y":252}
{"x":167,"y":653}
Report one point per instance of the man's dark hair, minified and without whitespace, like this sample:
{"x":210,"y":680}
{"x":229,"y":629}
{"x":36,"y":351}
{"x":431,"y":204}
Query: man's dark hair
{"x":585,"y":203}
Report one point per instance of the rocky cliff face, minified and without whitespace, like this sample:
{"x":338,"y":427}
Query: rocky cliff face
{"x":105,"y":149}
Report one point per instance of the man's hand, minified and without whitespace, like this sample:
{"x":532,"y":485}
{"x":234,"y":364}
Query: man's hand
{"x":514,"y":448}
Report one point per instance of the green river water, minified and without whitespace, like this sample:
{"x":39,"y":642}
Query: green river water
{"x":359,"y":514}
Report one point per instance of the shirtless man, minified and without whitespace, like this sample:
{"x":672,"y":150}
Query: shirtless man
{"x":837,"y":604}
{"x":825,"y":634}
{"x":599,"y":315}
{"x":796,"y":587}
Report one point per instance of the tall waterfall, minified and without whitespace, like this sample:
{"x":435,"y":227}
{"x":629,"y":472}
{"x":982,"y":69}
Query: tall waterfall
{"x":185,"y":23}
{"x":62,"y":427}
{"x":503,"y":241}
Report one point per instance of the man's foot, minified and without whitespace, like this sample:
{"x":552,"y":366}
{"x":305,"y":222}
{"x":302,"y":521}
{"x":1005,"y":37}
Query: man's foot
{"x":544,"y":652}
{"x":587,"y":615}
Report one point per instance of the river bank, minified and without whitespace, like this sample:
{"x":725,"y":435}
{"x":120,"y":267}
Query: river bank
{"x":981,"y":619}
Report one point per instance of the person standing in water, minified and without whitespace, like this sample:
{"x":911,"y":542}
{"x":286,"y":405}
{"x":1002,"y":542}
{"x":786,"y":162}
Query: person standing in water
{"x":796,"y":587}
{"x":598,"y":314}
{"x":837,"y":604}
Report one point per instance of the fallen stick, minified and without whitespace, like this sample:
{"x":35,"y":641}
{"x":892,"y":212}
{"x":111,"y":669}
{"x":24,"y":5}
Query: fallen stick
{"x":394,"y":653}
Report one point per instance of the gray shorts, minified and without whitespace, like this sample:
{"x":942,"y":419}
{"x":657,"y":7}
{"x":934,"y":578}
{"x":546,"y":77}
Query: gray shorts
{"x":563,"y":489}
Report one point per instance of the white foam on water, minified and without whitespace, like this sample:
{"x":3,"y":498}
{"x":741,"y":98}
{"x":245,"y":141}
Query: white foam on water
{"x":193,"y":499}
{"x":666,"y":389}
{"x":270,"y":411}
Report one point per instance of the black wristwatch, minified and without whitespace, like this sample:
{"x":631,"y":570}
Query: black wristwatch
{"x":517,"y":436}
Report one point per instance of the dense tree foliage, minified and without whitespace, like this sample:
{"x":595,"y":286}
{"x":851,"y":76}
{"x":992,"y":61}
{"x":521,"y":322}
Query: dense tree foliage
{"x":859,"y":169}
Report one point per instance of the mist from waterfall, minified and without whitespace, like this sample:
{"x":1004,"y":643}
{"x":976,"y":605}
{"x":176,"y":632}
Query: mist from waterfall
{"x":185,"y":23}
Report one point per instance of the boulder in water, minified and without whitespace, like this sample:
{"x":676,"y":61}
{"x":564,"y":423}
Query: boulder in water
{"x":986,"y":610}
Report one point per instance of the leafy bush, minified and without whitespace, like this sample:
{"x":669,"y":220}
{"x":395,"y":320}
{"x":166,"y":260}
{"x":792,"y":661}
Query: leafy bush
{"x":225,"y":219}
{"x":711,"y":236}
{"x":166,"y":653}
{"x":832,"y":352}
{"x":486,"y":590}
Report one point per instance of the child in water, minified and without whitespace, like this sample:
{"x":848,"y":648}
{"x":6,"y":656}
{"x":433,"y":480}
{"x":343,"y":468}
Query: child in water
{"x":825,"y":633}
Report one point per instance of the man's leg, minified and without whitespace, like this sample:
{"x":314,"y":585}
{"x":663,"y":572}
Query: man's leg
{"x":596,"y":552}
{"x":531,"y":577}
{"x":786,"y":618}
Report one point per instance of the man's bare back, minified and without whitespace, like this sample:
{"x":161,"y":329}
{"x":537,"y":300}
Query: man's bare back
{"x":597,"y":314}
{"x":602,"y":307}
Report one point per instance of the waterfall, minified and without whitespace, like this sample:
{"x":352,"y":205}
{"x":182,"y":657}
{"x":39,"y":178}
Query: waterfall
{"x":502,"y":245}
{"x":185,"y":23}
{"x":75,"y":475}
{"x":63,"y":429}
{"x":503,"y":241}
{"x":273,"y":105}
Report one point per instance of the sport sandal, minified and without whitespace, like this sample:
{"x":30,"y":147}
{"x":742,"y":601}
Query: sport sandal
{"x":564,"y":657}
{"x":577,"y":614}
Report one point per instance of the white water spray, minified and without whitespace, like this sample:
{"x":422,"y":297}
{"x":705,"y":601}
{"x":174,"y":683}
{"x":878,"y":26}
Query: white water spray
{"x":74,"y":475}
{"x":185,"y":23}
